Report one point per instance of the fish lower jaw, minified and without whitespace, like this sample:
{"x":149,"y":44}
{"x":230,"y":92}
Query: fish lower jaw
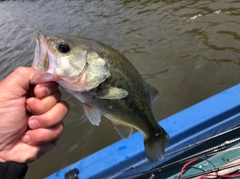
{"x":43,"y":78}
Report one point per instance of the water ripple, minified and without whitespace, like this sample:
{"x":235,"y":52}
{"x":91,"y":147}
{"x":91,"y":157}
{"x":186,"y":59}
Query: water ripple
{"x":188,"y":50}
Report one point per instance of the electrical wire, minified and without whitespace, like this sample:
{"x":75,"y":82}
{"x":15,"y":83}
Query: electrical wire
{"x":200,"y":155}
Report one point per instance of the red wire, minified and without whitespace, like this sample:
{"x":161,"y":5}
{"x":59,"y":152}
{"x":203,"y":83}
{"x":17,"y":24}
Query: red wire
{"x":223,"y":176}
{"x":231,"y":176}
{"x":202,"y":177}
{"x":187,"y":164}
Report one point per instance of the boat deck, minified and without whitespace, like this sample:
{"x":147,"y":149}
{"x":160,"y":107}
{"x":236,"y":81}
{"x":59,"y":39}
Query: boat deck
{"x":210,"y":117}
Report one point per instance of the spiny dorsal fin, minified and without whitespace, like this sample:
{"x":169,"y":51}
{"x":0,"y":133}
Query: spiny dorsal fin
{"x":152,"y":91}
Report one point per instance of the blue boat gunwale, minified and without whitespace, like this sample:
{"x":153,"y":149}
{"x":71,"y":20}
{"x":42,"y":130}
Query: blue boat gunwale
{"x":202,"y":120}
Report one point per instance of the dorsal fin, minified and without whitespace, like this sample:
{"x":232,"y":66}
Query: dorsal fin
{"x":152,"y":91}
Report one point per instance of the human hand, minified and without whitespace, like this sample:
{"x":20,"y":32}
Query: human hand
{"x":30,"y":117}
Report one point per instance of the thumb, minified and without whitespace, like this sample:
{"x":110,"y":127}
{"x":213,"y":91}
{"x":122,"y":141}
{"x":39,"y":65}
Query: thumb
{"x":18,"y":81}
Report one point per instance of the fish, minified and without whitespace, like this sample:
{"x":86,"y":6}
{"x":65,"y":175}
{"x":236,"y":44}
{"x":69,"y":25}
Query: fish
{"x":105,"y":82}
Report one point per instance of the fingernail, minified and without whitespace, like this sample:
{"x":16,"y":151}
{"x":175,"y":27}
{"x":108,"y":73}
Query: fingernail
{"x":25,"y":138}
{"x":28,"y":109}
{"x":33,"y":124}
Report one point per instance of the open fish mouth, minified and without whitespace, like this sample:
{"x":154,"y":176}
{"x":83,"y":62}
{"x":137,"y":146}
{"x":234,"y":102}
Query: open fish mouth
{"x":43,"y":62}
{"x":41,"y":59}
{"x":46,"y":64}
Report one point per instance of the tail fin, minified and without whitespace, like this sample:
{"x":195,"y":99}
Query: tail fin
{"x":155,"y":146}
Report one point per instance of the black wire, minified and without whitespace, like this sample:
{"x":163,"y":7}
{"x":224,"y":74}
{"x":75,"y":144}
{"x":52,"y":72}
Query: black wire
{"x":203,"y":155}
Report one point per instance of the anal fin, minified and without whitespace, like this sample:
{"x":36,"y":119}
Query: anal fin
{"x":123,"y":130}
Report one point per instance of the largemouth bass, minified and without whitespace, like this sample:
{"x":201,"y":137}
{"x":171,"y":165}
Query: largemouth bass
{"x":105,"y":82}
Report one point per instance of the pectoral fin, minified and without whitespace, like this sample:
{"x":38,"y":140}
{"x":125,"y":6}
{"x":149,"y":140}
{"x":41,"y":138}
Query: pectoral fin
{"x":111,"y":93}
{"x":93,"y":114}
{"x":123,"y":130}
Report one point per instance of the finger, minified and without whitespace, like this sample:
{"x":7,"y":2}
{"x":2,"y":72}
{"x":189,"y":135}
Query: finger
{"x":30,"y":92}
{"x":51,"y":118}
{"x":45,"y":89}
{"x":42,"y":135}
{"x":22,"y":76}
{"x":19,"y":81}
{"x":40,"y":106}
{"x":21,"y":152}
{"x":25,"y":153}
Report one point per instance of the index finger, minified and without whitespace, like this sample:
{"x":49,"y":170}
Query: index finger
{"x":45,"y":89}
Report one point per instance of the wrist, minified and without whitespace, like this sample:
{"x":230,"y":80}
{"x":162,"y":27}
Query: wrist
{"x":11,"y":169}
{"x":9,"y":156}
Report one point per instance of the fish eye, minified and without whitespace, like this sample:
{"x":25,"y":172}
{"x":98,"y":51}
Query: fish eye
{"x":64,"y":47}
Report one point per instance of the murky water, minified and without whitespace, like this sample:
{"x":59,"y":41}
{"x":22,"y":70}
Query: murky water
{"x":188,"y":50}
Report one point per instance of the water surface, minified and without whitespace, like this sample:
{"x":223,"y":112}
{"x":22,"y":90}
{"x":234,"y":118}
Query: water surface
{"x":188,"y":50}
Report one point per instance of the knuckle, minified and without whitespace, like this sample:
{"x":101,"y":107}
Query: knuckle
{"x":40,"y":136}
{"x":19,"y":69}
{"x":38,"y":107}
{"x":47,"y":121}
